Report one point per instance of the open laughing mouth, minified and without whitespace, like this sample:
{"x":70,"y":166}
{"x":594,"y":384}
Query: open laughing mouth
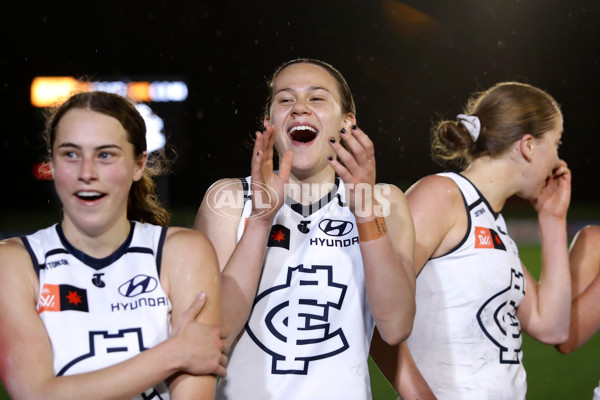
{"x":303,"y":133}
{"x":89,"y":195}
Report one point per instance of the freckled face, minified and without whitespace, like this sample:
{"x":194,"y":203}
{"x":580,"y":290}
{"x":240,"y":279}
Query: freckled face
{"x":306,"y":111}
{"x":94,"y":168}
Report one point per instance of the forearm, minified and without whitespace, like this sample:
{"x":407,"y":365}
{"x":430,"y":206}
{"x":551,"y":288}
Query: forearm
{"x":585,"y":320}
{"x":150,"y":367}
{"x":184,"y":386}
{"x":390,"y":285}
{"x":241,"y":276}
{"x":554,"y":287}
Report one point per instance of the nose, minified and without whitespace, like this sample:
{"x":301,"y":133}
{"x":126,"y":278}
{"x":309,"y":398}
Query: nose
{"x":87,"y":171}
{"x":300,"y":107}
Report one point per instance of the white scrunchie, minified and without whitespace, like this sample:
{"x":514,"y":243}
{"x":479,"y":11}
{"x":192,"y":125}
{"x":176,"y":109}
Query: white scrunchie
{"x":472,"y":123}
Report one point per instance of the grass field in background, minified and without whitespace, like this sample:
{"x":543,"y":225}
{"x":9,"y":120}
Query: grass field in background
{"x":550,"y":375}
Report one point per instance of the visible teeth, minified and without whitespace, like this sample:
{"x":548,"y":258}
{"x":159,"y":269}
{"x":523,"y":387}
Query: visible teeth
{"x":303,"y":127}
{"x":88,"y":194}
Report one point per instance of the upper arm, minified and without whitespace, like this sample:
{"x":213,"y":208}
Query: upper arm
{"x":584,"y":258}
{"x":400,"y":223}
{"x":219,"y":215}
{"x":25,"y":349}
{"x":190,"y":267}
{"x":439,"y":216}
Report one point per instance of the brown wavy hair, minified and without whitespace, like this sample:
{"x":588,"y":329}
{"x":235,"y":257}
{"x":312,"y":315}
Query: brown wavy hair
{"x":143,"y":204}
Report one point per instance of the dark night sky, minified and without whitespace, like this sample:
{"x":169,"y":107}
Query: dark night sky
{"x":404,"y":75}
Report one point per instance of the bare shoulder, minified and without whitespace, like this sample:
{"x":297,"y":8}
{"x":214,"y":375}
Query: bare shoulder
{"x":222,"y":203}
{"x":14,"y":258}
{"x":439,"y":216}
{"x":190,"y":242}
{"x":435,"y":185}
{"x":589,"y":234}
{"x":18,"y":279}
{"x":224,"y":195}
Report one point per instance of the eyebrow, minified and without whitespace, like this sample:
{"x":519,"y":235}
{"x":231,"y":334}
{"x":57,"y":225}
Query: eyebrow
{"x":310,"y":89}
{"x":102,"y":147}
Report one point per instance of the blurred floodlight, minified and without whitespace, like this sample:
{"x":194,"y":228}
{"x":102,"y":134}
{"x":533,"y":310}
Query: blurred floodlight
{"x":155,"y":139}
{"x":50,"y":91}
{"x":47,"y":91}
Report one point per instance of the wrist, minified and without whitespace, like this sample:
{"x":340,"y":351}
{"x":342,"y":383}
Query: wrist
{"x":370,"y":230}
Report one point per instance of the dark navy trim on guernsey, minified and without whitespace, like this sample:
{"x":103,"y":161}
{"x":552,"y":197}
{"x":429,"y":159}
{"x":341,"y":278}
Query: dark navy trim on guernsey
{"x":99,"y":263}
{"x":309,"y":209}
{"x":161,"y":241}
{"x":246,"y":188}
{"x":468,"y":208}
{"x":36,"y":265}
{"x":481,"y":198}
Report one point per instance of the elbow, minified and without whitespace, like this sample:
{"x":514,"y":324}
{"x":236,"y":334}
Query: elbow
{"x":394,"y":335}
{"x":556,"y":338}
{"x":564,"y":348}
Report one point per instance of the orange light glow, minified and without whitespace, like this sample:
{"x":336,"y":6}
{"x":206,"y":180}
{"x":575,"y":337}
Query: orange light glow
{"x":47,"y":91}
{"x":139,"y":91}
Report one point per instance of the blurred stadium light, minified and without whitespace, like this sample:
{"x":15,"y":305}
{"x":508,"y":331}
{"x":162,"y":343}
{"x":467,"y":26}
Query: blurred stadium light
{"x":48,"y":91}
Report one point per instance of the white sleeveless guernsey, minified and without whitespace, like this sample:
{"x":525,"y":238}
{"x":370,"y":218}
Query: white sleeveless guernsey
{"x":309,"y":332}
{"x":466,"y":339}
{"x":99,"y":312}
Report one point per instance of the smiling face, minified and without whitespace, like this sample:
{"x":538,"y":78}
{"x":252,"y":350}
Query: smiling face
{"x":94,"y":167}
{"x":306,"y":112}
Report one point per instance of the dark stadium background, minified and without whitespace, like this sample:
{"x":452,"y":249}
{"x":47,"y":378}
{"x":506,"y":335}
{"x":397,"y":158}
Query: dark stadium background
{"x":407,"y":63}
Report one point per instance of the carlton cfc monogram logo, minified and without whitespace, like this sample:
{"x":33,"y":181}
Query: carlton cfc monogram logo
{"x":498,"y":320}
{"x":294,"y":339}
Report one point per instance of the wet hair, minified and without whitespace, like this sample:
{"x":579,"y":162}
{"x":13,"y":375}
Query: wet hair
{"x":346,"y":98}
{"x":143,"y":204}
{"x":507,"y":111}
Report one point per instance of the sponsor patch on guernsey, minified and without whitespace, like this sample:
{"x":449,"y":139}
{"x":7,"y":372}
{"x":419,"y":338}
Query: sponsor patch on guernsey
{"x":62,"y":298}
{"x":486,"y":238}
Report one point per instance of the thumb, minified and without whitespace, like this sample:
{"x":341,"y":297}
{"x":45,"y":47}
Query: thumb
{"x":195,"y":308}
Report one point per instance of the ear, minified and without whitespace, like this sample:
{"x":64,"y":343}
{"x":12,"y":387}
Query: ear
{"x":140,"y":166}
{"x":266,"y":121}
{"x":527,"y":146}
{"x":350,"y":119}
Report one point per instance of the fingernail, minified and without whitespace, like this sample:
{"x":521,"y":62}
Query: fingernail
{"x":343,"y":130}
{"x":201,"y":296}
{"x":332,"y":139}
{"x":330,"y":158}
{"x":354,"y":127}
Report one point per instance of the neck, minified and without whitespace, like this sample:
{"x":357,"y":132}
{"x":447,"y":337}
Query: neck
{"x":98,"y":243}
{"x":311,"y":188}
{"x":494,"y":178}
